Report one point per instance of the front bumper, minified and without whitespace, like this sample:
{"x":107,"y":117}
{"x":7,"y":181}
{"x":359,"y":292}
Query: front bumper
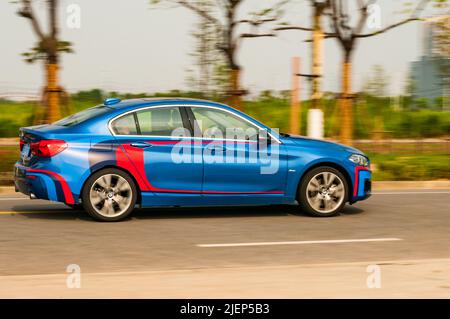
{"x":362,"y":188}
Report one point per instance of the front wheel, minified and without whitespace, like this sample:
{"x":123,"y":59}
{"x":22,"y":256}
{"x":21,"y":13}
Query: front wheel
{"x":323,"y":192}
{"x":109,"y":195}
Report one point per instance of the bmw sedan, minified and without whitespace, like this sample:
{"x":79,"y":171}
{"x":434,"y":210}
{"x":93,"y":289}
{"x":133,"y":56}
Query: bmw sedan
{"x":183,"y":152}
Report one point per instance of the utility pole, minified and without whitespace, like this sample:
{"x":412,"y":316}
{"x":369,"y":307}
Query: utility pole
{"x":295,"y":121}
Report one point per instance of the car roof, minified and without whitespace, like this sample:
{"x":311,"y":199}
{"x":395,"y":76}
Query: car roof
{"x":134,"y":104}
{"x":137,"y":103}
{"x":130,"y":105}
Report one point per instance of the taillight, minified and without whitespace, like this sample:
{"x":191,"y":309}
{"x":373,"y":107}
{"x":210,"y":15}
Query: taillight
{"x":48,"y":148}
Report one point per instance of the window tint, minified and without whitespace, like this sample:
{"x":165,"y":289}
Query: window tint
{"x":82,"y":116}
{"x":211,"y":120}
{"x":125,"y":125}
{"x":159,"y":121}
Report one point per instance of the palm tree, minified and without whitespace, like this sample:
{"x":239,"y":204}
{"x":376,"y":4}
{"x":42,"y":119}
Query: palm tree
{"x":47,"y":49}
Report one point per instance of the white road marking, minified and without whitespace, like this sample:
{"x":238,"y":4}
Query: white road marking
{"x":412,"y":193}
{"x":305,"y":242}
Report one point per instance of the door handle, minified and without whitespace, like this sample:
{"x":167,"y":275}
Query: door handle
{"x":140,"y":145}
{"x":217,"y":148}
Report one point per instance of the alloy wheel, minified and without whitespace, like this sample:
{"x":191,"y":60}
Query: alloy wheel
{"x":110,"y":195}
{"x":325,"y":192}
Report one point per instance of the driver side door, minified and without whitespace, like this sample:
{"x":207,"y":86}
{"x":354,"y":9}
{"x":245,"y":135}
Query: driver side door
{"x":237,"y":167}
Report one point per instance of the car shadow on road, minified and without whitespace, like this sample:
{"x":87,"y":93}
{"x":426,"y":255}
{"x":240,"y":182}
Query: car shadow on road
{"x":178,"y":212}
{"x":352,"y":210}
{"x":211,"y":212}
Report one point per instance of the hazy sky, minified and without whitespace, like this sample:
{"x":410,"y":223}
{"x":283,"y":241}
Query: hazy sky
{"x":127,"y":46}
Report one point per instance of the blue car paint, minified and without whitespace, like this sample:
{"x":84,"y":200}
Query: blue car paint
{"x":91,"y":147}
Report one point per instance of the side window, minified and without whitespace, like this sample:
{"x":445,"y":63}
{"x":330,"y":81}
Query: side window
{"x":125,"y":125}
{"x":211,"y":120}
{"x":159,"y":121}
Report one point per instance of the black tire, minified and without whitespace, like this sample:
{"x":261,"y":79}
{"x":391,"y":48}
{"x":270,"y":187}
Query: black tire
{"x":75,"y":206}
{"x":88,"y":205}
{"x":303,"y":197}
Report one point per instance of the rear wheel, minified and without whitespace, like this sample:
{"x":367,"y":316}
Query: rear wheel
{"x":109,"y":195}
{"x":323,"y":192}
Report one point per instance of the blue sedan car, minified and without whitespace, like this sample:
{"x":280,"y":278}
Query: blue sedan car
{"x":183,"y":152}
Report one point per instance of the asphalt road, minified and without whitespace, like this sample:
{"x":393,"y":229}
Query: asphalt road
{"x":39,"y":238}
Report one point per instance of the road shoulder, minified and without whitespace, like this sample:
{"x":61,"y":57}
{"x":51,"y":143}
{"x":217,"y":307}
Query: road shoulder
{"x":425,"y":278}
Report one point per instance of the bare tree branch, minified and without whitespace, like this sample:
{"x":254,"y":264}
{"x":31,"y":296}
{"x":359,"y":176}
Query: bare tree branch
{"x":53,"y":7}
{"x":27,"y":12}
{"x":251,"y":35}
{"x":367,"y":35}
{"x":335,"y":19}
{"x":293,"y":28}
{"x":256,"y":22}
{"x":414,"y":17}
{"x":326,"y":36}
{"x":200,"y":12}
{"x":363,"y":7}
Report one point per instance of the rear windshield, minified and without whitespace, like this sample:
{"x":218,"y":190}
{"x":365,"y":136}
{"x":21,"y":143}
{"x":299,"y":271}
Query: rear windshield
{"x":82,"y":116}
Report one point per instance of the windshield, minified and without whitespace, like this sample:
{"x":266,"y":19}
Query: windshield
{"x":82,"y":116}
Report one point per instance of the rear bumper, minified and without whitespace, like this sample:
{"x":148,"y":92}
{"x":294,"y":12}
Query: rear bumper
{"x":42,"y":184}
{"x":21,"y":183}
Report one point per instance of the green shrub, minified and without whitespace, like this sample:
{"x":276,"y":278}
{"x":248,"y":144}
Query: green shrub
{"x":412,"y":167}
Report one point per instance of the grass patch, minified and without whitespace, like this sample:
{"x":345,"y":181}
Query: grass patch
{"x":399,"y":167}
{"x":368,"y":117}
{"x":14,"y":115}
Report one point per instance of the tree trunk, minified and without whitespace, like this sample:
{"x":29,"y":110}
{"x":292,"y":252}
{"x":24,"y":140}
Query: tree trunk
{"x":236,"y":93}
{"x":295,"y":121}
{"x":52,"y":88}
{"x":346,"y":104}
{"x":316,"y":94}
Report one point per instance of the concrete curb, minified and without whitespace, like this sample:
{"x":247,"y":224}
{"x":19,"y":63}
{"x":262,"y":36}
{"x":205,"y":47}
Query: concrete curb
{"x":376,"y":186}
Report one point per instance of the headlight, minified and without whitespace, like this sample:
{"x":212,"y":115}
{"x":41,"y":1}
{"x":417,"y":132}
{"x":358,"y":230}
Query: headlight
{"x":359,"y":160}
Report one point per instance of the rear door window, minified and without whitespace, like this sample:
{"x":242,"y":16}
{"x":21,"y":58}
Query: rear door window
{"x":159,"y":121}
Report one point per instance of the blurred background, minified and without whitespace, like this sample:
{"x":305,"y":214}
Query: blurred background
{"x":372,"y":74}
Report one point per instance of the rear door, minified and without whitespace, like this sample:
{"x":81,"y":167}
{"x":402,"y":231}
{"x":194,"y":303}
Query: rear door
{"x":149,"y":136}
